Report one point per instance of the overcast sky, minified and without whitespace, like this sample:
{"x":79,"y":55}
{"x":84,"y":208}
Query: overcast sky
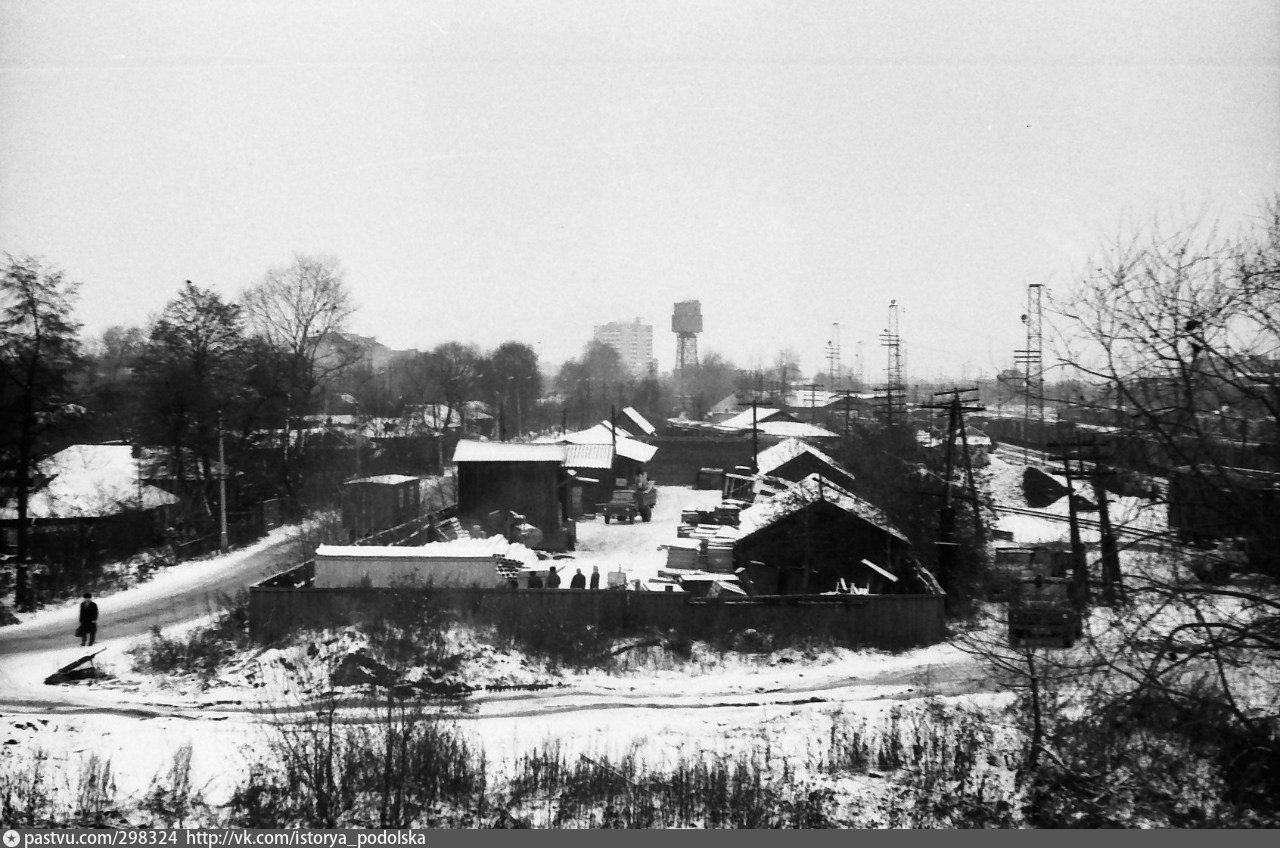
{"x":527,"y":170}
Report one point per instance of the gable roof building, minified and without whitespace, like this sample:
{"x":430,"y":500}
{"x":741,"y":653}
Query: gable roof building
{"x":90,"y":481}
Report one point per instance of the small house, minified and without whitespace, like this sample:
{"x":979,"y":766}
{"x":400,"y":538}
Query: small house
{"x":93,"y":504}
{"x":816,"y":536}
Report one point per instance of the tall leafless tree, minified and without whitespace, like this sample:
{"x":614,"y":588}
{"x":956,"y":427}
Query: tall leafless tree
{"x":300,"y":312}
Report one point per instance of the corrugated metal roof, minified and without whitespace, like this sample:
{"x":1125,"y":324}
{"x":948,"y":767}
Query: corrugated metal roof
{"x":473,"y":451}
{"x":602,"y":434}
{"x":588,"y":456}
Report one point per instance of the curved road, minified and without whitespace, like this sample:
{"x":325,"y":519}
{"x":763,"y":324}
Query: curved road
{"x":137,"y":610}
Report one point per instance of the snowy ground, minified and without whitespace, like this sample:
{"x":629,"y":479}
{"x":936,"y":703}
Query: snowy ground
{"x":660,"y":708}
{"x":1003,"y":480}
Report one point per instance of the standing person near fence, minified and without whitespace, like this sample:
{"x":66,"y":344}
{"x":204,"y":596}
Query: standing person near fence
{"x":553,"y":579}
{"x":88,"y":629}
{"x":595,"y":577}
{"x":578,"y":581}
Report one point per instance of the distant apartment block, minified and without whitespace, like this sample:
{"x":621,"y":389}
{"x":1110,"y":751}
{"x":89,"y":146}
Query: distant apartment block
{"x":632,"y":340}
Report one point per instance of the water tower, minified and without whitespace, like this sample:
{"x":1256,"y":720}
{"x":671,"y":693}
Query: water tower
{"x":686,"y":323}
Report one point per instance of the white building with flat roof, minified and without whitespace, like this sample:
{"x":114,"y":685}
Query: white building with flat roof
{"x":632,"y":340}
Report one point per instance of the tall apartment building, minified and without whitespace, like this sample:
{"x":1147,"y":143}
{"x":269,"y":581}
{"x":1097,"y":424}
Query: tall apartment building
{"x":632,"y":340}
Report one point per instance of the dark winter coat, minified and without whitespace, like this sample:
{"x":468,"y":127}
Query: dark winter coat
{"x":578,"y":581}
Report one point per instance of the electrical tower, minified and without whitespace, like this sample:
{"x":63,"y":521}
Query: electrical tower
{"x":833,"y":360}
{"x":686,"y":323}
{"x":894,"y":398}
{"x":1032,"y":360}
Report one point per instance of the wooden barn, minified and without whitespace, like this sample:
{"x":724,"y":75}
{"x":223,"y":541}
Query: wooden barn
{"x":816,"y":537}
{"x":528,"y":479}
{"x":794,"y":460}
{"x":370,"y":504}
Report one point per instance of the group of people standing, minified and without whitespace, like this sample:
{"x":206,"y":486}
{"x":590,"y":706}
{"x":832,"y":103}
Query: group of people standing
{"x":577,"y":581}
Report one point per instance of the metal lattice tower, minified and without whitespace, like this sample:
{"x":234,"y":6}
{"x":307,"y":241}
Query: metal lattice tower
{"x":1032,"y":360}
{"x":833,"y":360}
{"x":894,"y":397}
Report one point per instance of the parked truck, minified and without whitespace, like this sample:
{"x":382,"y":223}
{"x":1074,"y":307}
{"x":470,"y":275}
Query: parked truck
{"x":626,"y":504}
{"x":1041,"y":613}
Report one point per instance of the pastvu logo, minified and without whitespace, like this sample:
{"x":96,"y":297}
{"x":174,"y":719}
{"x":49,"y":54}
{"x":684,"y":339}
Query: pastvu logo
{"x":11,"y":839}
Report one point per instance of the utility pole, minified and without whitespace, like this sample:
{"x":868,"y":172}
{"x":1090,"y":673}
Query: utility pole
{"x":1079,"y":558}
{"x":223,"y":542}
{"x":1109,"y":551}
{"x":955,"y":408}
{"x":812,"y":388}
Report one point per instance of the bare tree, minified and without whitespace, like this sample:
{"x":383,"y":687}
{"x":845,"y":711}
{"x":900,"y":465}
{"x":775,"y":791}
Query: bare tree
{"x":300,"y":312}
{"x":1176,"y":336}
{"x":39,"y":348}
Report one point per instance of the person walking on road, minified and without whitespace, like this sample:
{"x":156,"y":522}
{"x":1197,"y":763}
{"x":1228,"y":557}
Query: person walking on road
{"x":88,"y":629}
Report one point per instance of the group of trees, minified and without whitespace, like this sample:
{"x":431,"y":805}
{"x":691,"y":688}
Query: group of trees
{"x":202,"y":366}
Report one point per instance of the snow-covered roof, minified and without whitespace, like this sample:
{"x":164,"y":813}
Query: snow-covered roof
{"x":795,"y":430}
{"x":743,"y":420}
{"x":973,"y":437}
{"x":788,"y":449}
{"x":435,"y":416}
{"x":474,"y":451}
{"x":489,"y":547}
{"x":386,"y":479}
{"x":603,"y":434}
{"x":805,"y":398}
{"x":810,"y":490}
{"x":641,"y":423}
{"x":90,"y":481}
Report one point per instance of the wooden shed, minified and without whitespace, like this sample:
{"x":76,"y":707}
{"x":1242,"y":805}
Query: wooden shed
{"x":371,"y":504}
{"x":528,"y":479}
{"x":814,"y":535}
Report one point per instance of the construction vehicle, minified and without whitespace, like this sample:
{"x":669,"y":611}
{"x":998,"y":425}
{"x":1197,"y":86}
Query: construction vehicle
{"x":1041,"y":613}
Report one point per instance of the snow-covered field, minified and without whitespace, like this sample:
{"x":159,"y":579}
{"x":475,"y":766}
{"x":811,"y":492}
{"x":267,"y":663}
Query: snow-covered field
{"x":653,"y":706}
{"x":656,"y":707}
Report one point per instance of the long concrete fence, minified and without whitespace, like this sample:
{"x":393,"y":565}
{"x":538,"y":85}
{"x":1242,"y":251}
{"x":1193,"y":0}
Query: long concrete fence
{"x":889,"y":622}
